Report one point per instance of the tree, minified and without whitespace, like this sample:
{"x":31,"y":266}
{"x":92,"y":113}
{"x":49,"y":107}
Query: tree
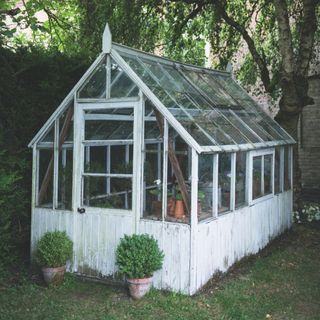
{"x":280,"y":36}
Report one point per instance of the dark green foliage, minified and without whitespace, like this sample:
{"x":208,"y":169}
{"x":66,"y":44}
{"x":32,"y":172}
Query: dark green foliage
{"x":32,"y":84}
{"x":54,"y":249}
{"x":12,"y":202}
{"x":138,"y":256}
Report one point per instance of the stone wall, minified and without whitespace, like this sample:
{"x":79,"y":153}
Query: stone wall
{"x":309,"y":141}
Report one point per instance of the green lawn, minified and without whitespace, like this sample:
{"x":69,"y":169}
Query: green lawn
{"x":282,"y":282}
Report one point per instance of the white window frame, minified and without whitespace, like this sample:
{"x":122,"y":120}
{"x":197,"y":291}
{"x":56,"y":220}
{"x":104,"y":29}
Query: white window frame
{"x":258,"y":153}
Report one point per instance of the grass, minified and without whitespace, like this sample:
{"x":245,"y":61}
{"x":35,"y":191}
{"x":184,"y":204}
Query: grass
{"x":281,"y":282}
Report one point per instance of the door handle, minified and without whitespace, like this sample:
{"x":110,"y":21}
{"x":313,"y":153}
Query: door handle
{"x":81,"y":210}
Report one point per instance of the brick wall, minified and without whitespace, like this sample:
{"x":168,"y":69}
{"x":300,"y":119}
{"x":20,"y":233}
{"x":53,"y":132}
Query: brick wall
{"x":309,"y":149}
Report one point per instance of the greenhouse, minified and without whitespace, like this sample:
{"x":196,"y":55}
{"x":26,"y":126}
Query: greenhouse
{"x":143,"y":144}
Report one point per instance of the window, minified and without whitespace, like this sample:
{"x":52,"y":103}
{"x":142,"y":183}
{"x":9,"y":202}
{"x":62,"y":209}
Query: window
{"x":224,"y":182}
{"x":205,"y":186}
{"x":262,"y":174}
{"x":55,"y":161}
{"x":241,"y":176}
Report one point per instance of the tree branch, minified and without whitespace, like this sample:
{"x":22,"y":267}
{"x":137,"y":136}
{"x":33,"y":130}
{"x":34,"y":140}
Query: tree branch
{"x":262,"y":65}
{"x":10,"y":12}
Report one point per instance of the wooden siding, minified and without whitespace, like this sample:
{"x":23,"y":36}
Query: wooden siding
{"x":95,"y":236}
{"x":222,"y":242}
{"x":174,"y":240}
{"x":219,"y":243}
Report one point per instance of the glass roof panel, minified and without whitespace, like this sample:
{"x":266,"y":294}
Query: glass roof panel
{"x":216,"y":94}
{"x":209,"y":105}
{"x":95,"y":86}
{"x":121,"y":85}
{"x":49,"y":136}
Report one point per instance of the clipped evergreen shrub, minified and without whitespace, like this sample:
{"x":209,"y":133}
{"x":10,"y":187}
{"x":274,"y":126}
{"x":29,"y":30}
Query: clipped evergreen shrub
{"x":139,"y":256}
{"x":54,"y":249}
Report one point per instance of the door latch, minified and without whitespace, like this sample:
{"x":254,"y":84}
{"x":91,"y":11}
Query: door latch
{"x":81,"y":210}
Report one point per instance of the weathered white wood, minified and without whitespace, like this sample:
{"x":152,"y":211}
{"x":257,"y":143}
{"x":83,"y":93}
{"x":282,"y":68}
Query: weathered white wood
{"x":233,"y":181}
{"x":77,"y":156}
{"x":56,"y":163}
{"x":119,"y":103}
{"x":165,"y":168}
{"x":106,"y":39}
{"x":137,"y":162}
{"x":107,"y":142}
{"x":174,"y":275}
{"x":219,"y":242}
{"x":108,"y":77}
{"x":240,"y":233}
{"x":193,"y":221}
{"x":215,"y":191}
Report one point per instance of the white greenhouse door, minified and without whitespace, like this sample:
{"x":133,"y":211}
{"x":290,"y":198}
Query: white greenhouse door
{"x":104,"y":183}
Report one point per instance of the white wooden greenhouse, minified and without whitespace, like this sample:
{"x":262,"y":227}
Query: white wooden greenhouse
{"x":143,"y":144}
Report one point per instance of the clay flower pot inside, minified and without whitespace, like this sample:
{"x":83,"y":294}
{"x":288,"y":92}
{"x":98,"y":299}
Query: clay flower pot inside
{"x":139,"y":287}
{"x":53,"y":276}
{"x":171,"y":206}
{"x":179,"y":209}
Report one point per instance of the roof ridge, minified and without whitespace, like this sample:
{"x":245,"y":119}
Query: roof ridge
{"x":174,"y":62}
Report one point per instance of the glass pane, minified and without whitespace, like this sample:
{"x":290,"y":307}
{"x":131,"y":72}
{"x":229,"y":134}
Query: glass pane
{"x":257,"y":177}
{"x":286,"y":169}
{"x":65,"y":179}
{"x":277,"y":171}
{"x":96,"y":159}
{"x":205,"y":186}
{"x":151,"y":130}
{"x":153,"y":181}
{"x":178,"y":161}
{"x":267,"y":174}
{"x":106,"y":192}
{"x":191,"y":95}
{"x":95,"y":86}
{"x":241,"y":173}
{"x":224,"y":182}
{"x":121,"y":84}
{"x":49,"y":136}
{"x":108,"y":130}
{"x":45,"y":182}
{"x":206,"y":83}
{"x":65,"y":160}
{"x":121,"y":159}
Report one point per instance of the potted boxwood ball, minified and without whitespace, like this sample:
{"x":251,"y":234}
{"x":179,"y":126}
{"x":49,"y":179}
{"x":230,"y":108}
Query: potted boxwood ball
{"x":53,"y":250}
{"x":138,"y":257}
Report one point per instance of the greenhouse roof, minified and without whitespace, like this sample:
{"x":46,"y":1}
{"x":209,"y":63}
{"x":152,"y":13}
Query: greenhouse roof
{"x":206,"y":107}
{"x":210,"y":106}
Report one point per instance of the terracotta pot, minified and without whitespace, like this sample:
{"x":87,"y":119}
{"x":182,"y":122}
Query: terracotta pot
{"x":53,"y":276}
{"x":139,"y":287}
{"x":171,"y":206}
{"x":179,"y":209}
